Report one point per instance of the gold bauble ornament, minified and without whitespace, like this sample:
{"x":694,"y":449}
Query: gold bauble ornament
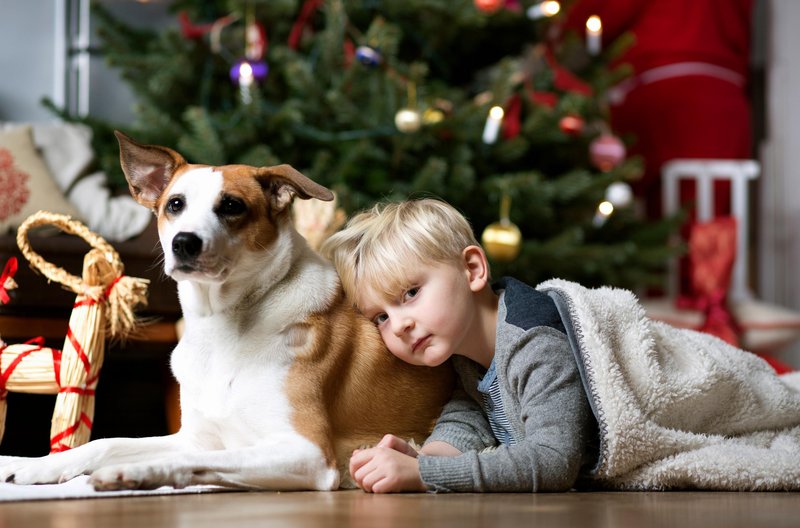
{"x":431,"y":116}
{"x":502,"y":240}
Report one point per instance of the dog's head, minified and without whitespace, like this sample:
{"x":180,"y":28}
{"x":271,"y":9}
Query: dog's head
{"x":209,"y":216}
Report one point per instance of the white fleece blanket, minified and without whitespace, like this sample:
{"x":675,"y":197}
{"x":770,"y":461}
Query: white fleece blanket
{"x":678,"y":409}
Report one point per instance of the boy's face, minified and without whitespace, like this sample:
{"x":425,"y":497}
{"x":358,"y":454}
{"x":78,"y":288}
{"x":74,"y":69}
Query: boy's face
{"x":426,"y":323}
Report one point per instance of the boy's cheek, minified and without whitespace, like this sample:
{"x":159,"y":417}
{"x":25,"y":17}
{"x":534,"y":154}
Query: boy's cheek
{"x":394,"y":347}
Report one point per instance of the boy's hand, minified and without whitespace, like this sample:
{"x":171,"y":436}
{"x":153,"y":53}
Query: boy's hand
{"x":398,"y":444}
{"x":386,"y":470}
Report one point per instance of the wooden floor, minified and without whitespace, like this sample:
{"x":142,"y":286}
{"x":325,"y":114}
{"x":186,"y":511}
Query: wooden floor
{"x":357,"y":509}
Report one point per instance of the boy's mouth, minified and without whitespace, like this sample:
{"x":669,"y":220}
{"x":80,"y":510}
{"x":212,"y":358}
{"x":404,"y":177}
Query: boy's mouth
{"x":420,"y":343}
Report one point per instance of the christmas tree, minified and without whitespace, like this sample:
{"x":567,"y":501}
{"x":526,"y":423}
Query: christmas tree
{"x":465,"y":100}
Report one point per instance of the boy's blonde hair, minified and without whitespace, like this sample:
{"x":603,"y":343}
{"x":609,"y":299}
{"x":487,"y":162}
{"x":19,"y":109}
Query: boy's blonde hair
{"x":379,"y":248}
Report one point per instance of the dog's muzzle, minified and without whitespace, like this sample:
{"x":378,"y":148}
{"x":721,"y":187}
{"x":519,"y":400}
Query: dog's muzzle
{"x":186,"y":246}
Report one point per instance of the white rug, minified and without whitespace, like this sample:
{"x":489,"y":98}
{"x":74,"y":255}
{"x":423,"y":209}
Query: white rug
{"x":79,"y":488}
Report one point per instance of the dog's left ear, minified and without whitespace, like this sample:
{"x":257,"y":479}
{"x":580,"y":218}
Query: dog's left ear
{"x":148,"y":168}
{"x":285,"y":182}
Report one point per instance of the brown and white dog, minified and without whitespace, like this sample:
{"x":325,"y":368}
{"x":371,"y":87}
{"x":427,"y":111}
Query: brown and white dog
{"x":280,"y":378}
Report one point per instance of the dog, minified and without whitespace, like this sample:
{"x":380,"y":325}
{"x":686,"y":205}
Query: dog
{"x":280,"y":377}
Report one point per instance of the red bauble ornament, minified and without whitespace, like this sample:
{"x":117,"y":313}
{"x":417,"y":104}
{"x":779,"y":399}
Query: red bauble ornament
{"x":489,"y":6}
{"x":606,"y":151}
{"x":571,"y":124}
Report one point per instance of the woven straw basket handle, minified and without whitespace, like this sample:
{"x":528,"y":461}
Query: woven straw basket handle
{"x":68,"y":225}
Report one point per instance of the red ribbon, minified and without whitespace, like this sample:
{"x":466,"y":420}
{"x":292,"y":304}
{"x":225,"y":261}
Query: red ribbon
{"x":55,"y":442}
{"x":302,"y":21}
{"x":88,"y":301}
{"x":8,"y":273}
{"x":190,"y":30}
{"x":5,"y":376}
{"x":547,"y":99}
{"x":565,"y":80}
{"x":79,"y":350}
{"x":512,"y":124}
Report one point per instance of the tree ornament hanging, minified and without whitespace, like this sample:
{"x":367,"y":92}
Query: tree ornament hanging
{"x":431,"y":116}
{"x":571,"y":124}
{"x":606,"y":151}
{"x":369,"y":56}
{"x":408,"y":120}
{"x":251,"y":68}
{"x":502,"y":240}
{"x":489,"y":6}
{"x":619,"y":194}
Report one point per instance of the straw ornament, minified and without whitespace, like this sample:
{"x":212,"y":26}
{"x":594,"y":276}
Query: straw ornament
{"x":103,"y":284}
{"x":105,"y":301}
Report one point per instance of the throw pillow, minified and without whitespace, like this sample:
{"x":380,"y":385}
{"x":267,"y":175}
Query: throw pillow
{"x":67,"y":151}
{"x":25,"y":182}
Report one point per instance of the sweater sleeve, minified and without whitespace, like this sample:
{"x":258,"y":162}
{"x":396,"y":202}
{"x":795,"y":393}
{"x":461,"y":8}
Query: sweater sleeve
{"x":462,"y":424}
{"x":556,"y":423}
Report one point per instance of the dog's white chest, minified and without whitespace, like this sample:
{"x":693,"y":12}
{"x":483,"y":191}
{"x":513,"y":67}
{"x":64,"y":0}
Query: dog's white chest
{"x":233,"y":390}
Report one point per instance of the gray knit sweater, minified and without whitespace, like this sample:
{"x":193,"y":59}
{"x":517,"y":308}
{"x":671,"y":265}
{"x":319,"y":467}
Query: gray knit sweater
{"x":553,"y":426}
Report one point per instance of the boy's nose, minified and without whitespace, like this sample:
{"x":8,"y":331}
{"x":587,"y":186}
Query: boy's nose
{"x":402,"y":325}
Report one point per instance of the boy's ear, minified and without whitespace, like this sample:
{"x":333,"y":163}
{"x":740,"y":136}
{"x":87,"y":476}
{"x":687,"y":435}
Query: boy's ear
{"x":477,"y":267}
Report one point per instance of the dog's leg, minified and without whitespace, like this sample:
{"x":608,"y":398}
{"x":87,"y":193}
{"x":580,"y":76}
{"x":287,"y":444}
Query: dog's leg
{"x":292,"y":465}
{"x":60,"y":467}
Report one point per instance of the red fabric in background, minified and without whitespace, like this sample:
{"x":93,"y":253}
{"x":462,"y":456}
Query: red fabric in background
{"x":694,"y":116}
{"x":684,"y":117}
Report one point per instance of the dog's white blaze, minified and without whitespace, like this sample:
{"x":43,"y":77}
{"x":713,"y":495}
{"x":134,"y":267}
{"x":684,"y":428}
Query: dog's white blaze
{"x":200,"y":188}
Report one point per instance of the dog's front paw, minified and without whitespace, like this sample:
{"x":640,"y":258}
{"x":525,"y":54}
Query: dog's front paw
{"x":9,"y":466}
{"x":44,"y":470}
{"x":129,"y":476}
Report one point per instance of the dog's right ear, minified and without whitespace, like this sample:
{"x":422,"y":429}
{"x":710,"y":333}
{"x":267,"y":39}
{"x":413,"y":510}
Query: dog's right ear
{"x":148,"y":168}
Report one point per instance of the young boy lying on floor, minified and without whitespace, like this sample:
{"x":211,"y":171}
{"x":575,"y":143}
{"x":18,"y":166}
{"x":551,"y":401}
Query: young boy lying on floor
{"x":417,"y":271}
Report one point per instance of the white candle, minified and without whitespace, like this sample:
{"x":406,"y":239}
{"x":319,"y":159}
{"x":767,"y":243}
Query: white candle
{"x":492,"y":127}
{"x":604,"y":210}
{"x":246,"y":74}
{"x":543,"y":9}
{"x":594,"y":35}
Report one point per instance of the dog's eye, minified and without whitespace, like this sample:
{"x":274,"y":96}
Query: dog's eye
{"x":230,"y":206}
{"x":175,"y":205}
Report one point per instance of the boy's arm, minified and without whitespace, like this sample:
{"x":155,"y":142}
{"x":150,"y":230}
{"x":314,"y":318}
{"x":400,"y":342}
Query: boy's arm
{"x":461,"y":425}
{"x":557,"y":427}
{"x":439,"y":448}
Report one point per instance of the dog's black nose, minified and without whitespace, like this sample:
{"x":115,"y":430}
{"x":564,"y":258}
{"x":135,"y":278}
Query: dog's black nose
{"x":186,"y":245}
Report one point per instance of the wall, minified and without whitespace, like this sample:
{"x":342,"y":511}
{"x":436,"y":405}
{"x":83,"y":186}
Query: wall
{"x":27,"y":63}
{"x":779,"y":221}
{"x":41,"y":33}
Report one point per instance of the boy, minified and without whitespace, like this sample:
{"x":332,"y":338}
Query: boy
{"x":520,"y":419}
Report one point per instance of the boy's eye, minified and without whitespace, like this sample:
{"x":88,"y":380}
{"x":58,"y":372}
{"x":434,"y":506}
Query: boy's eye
{"x":410,"y":293}
{"x":380,"y":318}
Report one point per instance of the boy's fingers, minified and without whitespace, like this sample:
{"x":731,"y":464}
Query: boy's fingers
{"x":370,"y":479}
{"x":389,"y":440}
{"x":398,"y":444}
{"x":358,"y":462}
{"x":365,"y":477}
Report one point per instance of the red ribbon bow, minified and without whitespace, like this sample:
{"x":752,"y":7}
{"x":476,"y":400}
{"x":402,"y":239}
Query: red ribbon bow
{"x":8,"y":273}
